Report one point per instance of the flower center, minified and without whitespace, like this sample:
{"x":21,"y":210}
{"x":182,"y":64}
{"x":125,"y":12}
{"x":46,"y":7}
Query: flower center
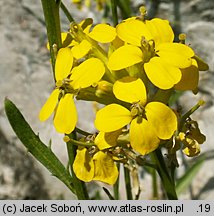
{"x":148,"y":49}
{"x":138,"y":111}
{"x":65,"y":87}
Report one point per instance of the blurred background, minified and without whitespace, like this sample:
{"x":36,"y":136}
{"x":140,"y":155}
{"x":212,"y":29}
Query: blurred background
{"x":26,"y":79}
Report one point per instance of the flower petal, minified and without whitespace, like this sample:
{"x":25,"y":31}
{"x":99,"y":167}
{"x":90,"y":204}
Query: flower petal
{"x":103,"y":33}
{"x":143,"y":138}
{"x":125,"y":56}
{"x":162,"y":119}
{"x":190,"y":77}
{"x":132,"y":30}
{"x":160,"y":30}
{"x":49,"y":105}
{"x":105,"y":168}
{"x":107,"y":140}
{"x":162,"y":74}
{"x":81,"y":49}
{"x":66,"y":115}
{"x":112,"y":117}
{"x":83,"y":165}
{"x":176,"y":54}
{"x":64,"y":63}
{"x":130,"y":90}
{"x":87,"y":73}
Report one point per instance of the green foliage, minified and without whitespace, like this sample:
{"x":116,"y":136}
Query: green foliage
{"x":189,"y":175}
{"x":35,"y":146}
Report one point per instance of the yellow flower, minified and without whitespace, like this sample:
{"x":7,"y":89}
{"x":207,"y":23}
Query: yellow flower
{"x":68,"y":82}
{"x":151,"y":42}
{"x":98,"y":166}
{"x":83,"y":38}
{"x":149,"y":122}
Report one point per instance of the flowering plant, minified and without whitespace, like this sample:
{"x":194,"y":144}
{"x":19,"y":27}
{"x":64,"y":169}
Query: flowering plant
{"x":133,"y":69}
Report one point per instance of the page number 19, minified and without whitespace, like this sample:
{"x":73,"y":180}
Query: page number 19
{"x":204,"y":207}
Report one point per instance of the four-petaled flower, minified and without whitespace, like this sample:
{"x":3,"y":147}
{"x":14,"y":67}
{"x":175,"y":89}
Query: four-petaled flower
{"x":151,"y":42}
{"x":68,"y":83}
{"x":149,"y":122}
{"x":97,"y":164}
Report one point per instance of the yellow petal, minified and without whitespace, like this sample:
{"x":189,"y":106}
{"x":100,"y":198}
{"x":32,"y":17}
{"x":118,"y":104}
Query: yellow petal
{"x":66,"y":115}
{"x":112,"y":118}
{"x":189,"y":79}
{"x":81,"y":49}
{"x":64,"y":63}
{"x":107,"y":140}
{"x":132,"y":31}
{"x":162,"y":74}
{"x":105,"y":168}
{"x":160,"y":30}
{"x":162,"y":119}
{"x":125,"y":56}
{"x":176,"y":54}
{"x":143,"y":138}
{"x":49,"y":105}
{"x":103,"y":33}
{"x":87,"y":73}
{"x":130,"y":90}
{"x":83,"y":165}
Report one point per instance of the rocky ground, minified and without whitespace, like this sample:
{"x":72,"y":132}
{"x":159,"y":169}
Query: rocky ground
{"x":25,"y":78}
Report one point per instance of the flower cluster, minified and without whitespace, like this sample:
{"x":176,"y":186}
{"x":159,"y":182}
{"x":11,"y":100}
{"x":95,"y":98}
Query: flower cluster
{"x":133,"y":69}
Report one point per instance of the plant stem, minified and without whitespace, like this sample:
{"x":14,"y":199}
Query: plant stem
{"x":116,"y":185}
{"x":80,"y":187}
{"x":114,"y":12}
{"x":154,"y":184}
{"x":128,"y":184}
{"x":52,"y":20}
{"x":125,"y":8}
{"x":66,"y":12}
{"x":84,"y":133}
{"x":166,"y":180}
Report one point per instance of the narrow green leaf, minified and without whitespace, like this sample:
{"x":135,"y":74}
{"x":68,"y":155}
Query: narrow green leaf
{"x":35,"y":146}
{"x":188,"y":177}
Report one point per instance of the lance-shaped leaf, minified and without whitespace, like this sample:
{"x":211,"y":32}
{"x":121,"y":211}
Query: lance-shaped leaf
{"x":184,"y":181}
{"x":35,"y":146}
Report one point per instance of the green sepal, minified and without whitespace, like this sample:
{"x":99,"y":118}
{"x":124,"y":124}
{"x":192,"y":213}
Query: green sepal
{"x":35,"y":146}
{"x":202,"y":65}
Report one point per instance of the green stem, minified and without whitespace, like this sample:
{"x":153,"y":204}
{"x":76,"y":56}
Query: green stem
{"x":79,"y":143}
{"x":128,"y":184}
{"x":125,"y":8}
{"x":84,"y":133}
{"x":80,"y":187}
{"x":166,"y":180}
{"x":190,"y":112}
{"x":116,"y":185}
{"x":52,"y":20}
{"x":66,"y":12}
{"x":114,"y":12}
{"x":154,"y":184}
